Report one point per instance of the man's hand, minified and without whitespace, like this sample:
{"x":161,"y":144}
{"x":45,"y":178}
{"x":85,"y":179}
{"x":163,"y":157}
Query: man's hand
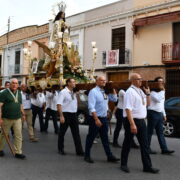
{"x":23,"y":117}
{"x":146,"y":90}
{"x":1,"y":122}
{"x":98,"y":123}
{"x":62,"y":120}
{"x":165,"y":118}
{"x":133,"y":129}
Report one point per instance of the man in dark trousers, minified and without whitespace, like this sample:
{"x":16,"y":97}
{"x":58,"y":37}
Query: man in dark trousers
{"x":67,"y":108}
{"x":98,"y":122}
{"x":135,"y":112}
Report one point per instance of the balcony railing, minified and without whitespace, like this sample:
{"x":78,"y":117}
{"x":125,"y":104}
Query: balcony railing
{"x":171,"y":53}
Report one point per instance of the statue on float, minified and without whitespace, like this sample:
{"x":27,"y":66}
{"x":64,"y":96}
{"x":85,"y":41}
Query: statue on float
{"x":62,"y":57}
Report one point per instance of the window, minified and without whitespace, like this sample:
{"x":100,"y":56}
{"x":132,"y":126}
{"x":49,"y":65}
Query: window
{"x":17,"y":62}
{"x":118,"y":42}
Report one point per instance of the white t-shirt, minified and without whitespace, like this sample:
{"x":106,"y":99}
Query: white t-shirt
{"x":157,"y":102}
{"x":67,"y":100}
{"x":135,"y":100}
{"x":121,"y":95}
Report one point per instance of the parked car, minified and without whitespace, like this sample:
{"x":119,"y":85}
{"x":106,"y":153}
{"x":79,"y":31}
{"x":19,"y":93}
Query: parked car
{"x":172,"y":126}
{"x":82,"y":112}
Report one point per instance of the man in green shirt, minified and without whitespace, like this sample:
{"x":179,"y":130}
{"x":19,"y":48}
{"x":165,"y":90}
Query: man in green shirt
{"x":10,"y":116}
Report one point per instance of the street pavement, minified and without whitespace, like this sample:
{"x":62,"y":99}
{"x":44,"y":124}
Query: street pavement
{"x":44,"y":163}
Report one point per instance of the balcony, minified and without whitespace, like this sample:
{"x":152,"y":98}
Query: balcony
{"x":171,"y":53}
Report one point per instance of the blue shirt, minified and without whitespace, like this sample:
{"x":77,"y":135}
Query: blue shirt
{"x":98,"y":101}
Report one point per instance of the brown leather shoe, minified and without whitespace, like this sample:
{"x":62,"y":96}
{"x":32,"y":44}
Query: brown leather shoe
{"x":34,"y":139}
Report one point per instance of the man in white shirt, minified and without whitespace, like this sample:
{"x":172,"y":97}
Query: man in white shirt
{"x":51,"y":109}
{"x":38,"y":105}
{"x":135,"y":103}
{"x":67,"y":108}
{"x":156,"y":116}
{"x":28,"y":112}
{"x":120,"y":120}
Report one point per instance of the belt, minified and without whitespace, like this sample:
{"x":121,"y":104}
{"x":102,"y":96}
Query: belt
{"x":102,"y":117}
{"x":138,"y":119}
{"x":27,"y":109}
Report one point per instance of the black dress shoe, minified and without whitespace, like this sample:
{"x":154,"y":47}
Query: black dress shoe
{"x":116,"y":145}
{"x":80,"y":154}
{"x":88,"y":159}
{"x":2,"y":153}
{"x":134,"y":145}
{"x":125,"y":169}
{"x":62,"y":152}
{"x":152,"y":152}
{"x":112,"y":159}
{"x":20,"y":156}
{"x":151,"y":170}
{"x":167,"y":152}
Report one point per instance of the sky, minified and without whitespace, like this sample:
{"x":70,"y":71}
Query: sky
{"x":37,"y":12}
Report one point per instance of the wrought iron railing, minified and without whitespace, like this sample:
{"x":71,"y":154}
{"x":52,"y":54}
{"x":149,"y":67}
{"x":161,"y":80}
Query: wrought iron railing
{"x":170,"y":52}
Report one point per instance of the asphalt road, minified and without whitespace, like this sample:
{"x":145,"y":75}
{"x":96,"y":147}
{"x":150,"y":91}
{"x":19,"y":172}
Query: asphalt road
{"x":44,"y":163}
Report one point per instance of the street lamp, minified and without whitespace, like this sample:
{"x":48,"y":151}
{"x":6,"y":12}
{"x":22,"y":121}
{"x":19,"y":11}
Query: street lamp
{"x":94,"y":56}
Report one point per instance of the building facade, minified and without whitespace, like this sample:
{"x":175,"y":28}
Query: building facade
{"x":143,"y":36}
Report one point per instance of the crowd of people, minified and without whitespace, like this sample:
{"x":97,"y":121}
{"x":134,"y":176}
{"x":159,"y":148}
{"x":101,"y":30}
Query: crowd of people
{"x":139,"y":111}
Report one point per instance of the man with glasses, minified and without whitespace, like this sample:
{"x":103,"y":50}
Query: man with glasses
{"x":98,"y":123}
{"x":67,"y":108}
{"x":135,"y":103}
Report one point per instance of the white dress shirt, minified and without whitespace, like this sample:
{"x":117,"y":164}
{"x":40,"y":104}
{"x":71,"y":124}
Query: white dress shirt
{"x":67,"y":100}
{"x":135,"y":100}
{"x":157,"y":102}
{"x":26,"y":101}
{"x":54,"y":101}
{"x":121,"y":94}
{"x":39,"y":100}
{"x":48,"y":98}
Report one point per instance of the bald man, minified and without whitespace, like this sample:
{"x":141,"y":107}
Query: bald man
{"x":98,"y":123}
{"x":135,"y":104}
{"x":11,"y":110}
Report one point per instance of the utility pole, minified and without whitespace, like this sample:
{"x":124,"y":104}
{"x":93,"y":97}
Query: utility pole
{"x":9,"y":21}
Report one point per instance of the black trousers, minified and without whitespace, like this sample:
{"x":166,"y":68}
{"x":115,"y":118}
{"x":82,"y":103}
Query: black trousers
{"x":38,"y":111}
{"x":119,"y":123}
{"x":142,"y":139}
{"x":72,"y":121}
{"x":53,"y":114}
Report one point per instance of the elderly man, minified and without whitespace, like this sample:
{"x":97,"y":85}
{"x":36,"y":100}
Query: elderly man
{"x":135,"y":112}
{"x":98,"y":123}
{"x":11,"y":109}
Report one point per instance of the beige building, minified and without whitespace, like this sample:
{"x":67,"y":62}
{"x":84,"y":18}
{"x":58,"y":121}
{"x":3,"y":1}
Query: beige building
{"x":145,"y":33}
{"x":13,"y":62}
{"x":157,"y":41}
